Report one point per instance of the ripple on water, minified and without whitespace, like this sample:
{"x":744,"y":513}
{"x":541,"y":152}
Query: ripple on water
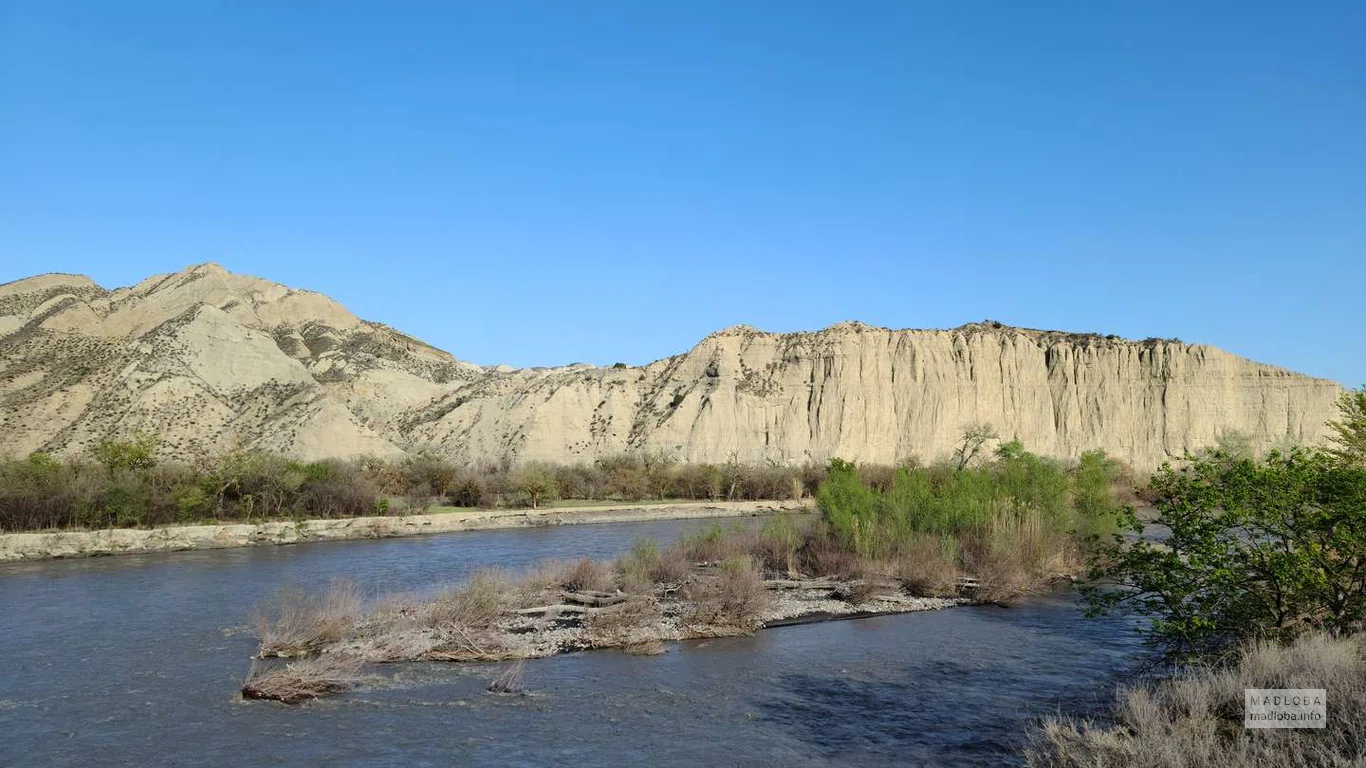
{"x":125,"y":660}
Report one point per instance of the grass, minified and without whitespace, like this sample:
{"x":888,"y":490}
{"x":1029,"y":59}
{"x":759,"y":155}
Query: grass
{"x":731,"y":603}
{"x":928,"y":565}
{"x":587,"y":575}
{"x":509,"y":681}
{"x":473,"y":606}
{"x":303,"y":679}
{"x":296,"y":623}
{"x":1195,"y":720}
{"x":646,"y":565}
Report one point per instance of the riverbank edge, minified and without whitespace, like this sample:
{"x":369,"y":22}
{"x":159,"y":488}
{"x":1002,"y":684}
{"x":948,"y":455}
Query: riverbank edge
{"x":55,"y":545}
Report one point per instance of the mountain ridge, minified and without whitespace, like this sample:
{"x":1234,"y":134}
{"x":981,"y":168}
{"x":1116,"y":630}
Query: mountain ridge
{"x":209,"y":360}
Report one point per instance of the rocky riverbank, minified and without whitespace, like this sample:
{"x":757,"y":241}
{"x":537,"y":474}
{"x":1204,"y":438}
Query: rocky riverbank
{"x":119,"y":541}
{"x":314,"y":646}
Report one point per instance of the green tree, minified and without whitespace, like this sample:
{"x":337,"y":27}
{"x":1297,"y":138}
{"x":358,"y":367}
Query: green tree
{"x":138,"y":454}
{"x":1268,"y":548}
{"x":1349,"y":431}
{"x":1097,"y":509}
{"x":537,"y":482}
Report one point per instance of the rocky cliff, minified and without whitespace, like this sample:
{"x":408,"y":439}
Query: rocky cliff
{"x":208,"y":360}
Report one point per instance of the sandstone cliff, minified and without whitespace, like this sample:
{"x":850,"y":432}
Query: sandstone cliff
{"x":208,"y":360}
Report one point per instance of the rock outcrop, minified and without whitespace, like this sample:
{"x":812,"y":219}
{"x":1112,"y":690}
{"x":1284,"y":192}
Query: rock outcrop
{"x":208,"y":361}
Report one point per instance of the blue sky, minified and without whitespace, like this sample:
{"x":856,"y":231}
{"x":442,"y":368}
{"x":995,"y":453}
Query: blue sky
{"x":582,"y":180}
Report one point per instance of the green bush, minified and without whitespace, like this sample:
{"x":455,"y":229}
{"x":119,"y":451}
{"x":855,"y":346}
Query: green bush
{"x":192,"y":503}
{"x":1257,"y":548}
{"x":848,"y":506}
{"x":1016,"y":507}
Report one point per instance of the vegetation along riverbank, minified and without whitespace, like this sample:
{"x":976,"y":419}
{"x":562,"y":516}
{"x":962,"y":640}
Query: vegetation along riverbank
{"x":1261,"y":584}
{"x":930,"y":538}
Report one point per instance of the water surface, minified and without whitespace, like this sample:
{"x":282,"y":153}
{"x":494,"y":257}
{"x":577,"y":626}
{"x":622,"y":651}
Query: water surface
{"x":135,"y":660}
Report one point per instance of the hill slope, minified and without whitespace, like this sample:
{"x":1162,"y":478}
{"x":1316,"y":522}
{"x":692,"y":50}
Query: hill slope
{"x":208,"y":360}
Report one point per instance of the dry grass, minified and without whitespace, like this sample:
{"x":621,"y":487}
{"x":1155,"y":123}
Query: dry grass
{"x":539,"y":586}
{"x":861,"y":591}
{"x":645,"y":565}
{"x":729,"y":603}
{"x":823,"y":556}
{"x":1196,"y":720}
{"x":645,"y":648}
{"x":587,"y":575}
{"x":634,"y":620}
{"x":778,"y":544}
{"x":1016,"y":557}
{"x":510,"y":680}
{"x":475,"y":605}
{"x":464,"y":644}
{"x":303,"y":679}
{"x":297,"y":623}
{"x":928,"y":566}
{"x":715,"y":543}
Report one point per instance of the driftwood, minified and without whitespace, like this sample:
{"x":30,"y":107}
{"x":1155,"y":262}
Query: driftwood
{"x":594,"y":599}
{"x":801,"y":584}
{"x":560,"y":608}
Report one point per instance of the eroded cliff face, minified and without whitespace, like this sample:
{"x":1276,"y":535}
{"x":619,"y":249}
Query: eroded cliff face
{"x":873,"y":394}
{"x":210,"y":361}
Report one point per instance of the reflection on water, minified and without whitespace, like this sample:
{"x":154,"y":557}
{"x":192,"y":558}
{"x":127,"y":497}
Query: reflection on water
{"x":134,"y":661}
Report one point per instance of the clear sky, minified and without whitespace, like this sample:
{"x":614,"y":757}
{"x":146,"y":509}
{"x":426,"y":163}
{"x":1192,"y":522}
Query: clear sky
{"x":538,"y":183}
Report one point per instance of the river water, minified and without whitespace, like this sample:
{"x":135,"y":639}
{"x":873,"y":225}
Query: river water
{"x":136,"y":660}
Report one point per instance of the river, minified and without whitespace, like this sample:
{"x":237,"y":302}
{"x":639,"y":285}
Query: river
{"x":135,"y":660}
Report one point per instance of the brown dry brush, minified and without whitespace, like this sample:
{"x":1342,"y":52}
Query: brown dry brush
{"x":632,"y":621}
{"x":587,"y":575}
{"x":475,"y":605}
{"x":729,"y":604}
{"x":928,"y":566}
{"x":509,"y":680}
{"x":300,"y":680}
{"x":110,"y":489}
{"x":1195,"y":720}
{"x":297,"y":623}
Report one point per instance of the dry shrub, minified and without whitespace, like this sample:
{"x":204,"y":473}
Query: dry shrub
{"x":644,"y":566}
{"x":670,"y":568}
{"x":1002,"y":575}
{"x":861,"y":591}
{"x":634,"y":620}
{"x":728,"y":603}
{"x":510,"y":680}
{"x":823,"y":556}
{"x":460,"y":643}
{"x":715,"y":543}
{"x":645,"y":648}
{"x":927,"y":566}
{"x":777,"y":545}
{"x":302,"y":679}
{"x":539,"y":586}
{"x":297,"y":623}
{"x":1195,"y":720}
{"x":1017,"y":556}
{"x":474,"y":606}
{"x":587,"y":575}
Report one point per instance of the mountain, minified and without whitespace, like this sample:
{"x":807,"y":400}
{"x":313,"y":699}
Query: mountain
{"x":207,"y":360}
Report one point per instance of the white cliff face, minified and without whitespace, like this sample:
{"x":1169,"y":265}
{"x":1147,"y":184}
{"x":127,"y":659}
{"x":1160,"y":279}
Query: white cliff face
{"x":872,"y":394}
{"x":209,"y":361}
